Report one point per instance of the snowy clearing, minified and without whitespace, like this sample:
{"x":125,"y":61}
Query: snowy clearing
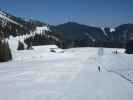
{"x":39,"y":74}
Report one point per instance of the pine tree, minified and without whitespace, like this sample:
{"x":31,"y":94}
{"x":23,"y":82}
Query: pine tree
{"x":129,"y":47}
{"x":20,"y":46}
{"x":29,"y":46}
{"x":5,"y":52}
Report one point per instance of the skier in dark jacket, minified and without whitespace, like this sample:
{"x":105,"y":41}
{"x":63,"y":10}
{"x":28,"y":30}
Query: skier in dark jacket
{"x":99,"y":69}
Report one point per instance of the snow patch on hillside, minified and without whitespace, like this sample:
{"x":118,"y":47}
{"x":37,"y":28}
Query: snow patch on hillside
{"x":41,"y":30}
{"x":112,"y":29}
{"x":104,"y":31}
{"x":90,"y":37}
{"x":13,"y":41}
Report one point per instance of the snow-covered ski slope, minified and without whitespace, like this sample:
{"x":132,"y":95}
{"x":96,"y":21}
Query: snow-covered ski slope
{"x":69,"y":75}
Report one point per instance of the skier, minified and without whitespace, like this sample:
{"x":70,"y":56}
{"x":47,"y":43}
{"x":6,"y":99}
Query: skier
{"x":116,"y":52}
{"x":99,"y":69}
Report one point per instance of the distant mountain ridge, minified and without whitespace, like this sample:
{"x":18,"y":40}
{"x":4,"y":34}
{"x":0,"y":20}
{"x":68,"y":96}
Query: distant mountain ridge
{"x":70,"y":34}
{"x":84,"y":35}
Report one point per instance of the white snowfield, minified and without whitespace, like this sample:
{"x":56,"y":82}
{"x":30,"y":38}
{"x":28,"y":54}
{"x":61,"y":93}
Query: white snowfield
{"x":70,"y":75}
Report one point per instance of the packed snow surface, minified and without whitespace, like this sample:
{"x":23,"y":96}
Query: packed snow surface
{"x":39,"y":74}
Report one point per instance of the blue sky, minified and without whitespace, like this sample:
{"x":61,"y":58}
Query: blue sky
{"x":90,"y":12}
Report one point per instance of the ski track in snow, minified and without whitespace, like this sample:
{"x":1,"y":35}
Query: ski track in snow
{"x":73,"y":75}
